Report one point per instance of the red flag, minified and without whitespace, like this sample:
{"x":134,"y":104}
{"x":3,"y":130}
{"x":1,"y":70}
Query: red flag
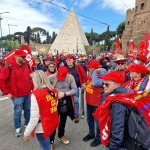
{"x":29,"y":58}
{"x":141,"y":50}
{"x":8,"y":57}
{"x":103,"y":55}
{"x":132,"y":48}
{"x":118,"y":49}
{"x":56,"y":59}
{"x":147,"y":45}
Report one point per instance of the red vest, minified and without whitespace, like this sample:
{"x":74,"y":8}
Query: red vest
{"x":48,"y":110}
{"x":93,"y":94}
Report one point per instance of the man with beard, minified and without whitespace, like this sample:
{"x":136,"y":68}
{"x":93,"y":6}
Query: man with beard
{"x":80,"y":77}
{"x":15,"y":82}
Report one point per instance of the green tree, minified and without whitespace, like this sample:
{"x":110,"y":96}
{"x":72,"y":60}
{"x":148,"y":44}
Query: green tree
{"x":53,"y":36}
{"x":91,"y":37}
{"x":39,"y":32}
{"x":120,"y":29}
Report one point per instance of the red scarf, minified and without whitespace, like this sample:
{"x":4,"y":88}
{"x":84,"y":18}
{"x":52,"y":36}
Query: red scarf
{"x":103,"y":113}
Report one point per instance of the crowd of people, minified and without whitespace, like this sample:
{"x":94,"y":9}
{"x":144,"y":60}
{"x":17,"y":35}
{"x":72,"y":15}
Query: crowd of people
{"x":111,"y":86}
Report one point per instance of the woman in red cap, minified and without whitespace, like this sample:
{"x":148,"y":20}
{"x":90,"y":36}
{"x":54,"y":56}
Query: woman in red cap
{"x":140,"y":81}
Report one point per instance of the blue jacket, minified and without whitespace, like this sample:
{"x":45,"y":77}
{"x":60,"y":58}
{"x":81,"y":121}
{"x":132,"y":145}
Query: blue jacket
{"x":119,"y":116}
{"x":98,"y":82}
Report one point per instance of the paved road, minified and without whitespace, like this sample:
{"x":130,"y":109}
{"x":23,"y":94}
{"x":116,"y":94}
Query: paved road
{"x":74,"y":133}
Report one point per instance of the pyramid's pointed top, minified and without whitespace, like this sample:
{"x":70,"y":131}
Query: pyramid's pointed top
{"x":72,"y":9}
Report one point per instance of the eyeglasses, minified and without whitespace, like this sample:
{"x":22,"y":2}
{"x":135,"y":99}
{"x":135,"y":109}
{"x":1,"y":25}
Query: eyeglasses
{"x":106,"y":84}
{"x":23,"y":56}
{"x":51,"y":66}
{"x":122,"y":63}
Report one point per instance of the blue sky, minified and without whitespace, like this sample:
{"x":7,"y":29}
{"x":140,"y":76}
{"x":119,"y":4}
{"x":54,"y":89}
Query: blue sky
{"x":42,"y":15}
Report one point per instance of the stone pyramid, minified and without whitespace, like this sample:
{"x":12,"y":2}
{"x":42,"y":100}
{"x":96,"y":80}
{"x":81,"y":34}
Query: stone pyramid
{"x":70,"y":36}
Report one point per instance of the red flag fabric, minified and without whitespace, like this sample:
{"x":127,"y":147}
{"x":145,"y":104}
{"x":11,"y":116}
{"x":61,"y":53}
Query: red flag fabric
{"x":141,"y":50}
{"x":56,"y":59}
{"x":29,"y":58}
{"x":8,"y":57}
{"x":147,"y":45}
{"x":133,"y":49}
{"x":118,"y":49}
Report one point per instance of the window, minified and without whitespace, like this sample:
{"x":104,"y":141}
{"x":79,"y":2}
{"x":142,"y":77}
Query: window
{"x":136,"y":9}
{"x":128,"y":22}
{"x":142,"y":6}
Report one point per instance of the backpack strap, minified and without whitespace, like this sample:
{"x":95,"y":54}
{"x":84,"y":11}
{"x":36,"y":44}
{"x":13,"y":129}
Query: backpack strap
{"x":127,"y":106}
{"x":50,"y":92}
{"x":77,"y":66}
{"x":62,"y":87}
{"x":69,"y":80}
{"x":55,"y":81}
{"x":10,"y":68}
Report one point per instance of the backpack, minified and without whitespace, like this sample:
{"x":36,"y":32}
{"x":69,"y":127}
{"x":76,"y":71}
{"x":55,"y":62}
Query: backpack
{"x":63,"y":87}
{"x":137,"y":135}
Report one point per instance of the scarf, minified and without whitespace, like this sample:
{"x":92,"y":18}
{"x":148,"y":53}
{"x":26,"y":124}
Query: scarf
{"x":140,"y":85}
{"x":103,"y":112}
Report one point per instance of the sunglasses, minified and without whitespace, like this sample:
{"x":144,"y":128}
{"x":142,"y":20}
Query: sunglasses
{"x":23,"y":56}
{"x":106,"y":84}
{"x":122,"y":63}
{"x":52,"y":66}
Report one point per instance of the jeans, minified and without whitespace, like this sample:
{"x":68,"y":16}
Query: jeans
{"x":105,"y":148}
{"x":21,"y":103}
{"x":82,"y":101}
{"x":90,"y":119}
{"x":44,"y":142}
{"x":76,"y":103}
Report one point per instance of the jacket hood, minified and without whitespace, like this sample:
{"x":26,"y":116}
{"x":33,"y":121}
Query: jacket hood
{"x":13,"y":61}
{"x":120,"y":90}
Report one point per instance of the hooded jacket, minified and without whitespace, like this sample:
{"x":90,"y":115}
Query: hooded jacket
{"x":119,"y":115}
{"x":18,"y":83}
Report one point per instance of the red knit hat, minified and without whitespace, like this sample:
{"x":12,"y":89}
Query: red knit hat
{"x":143,"y":57}
{"x":20,"y":53}
{"x":139,"y":68}
{"x":113,"y":75}
{"x":93,"y":64}
{"x":69,"y":57}
{"x":62,"y":72}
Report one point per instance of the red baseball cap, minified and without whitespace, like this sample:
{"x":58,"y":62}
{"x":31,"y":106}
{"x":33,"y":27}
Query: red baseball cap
{"x":20,"y":53}
{"x":93,"y":64}
{"x":113,"y":75}
{"x":47,"y":59}
{"x":143,"y":57}
{"x":69,"y":57}
{"x":139,"y":68}
{"x":62,"y":72}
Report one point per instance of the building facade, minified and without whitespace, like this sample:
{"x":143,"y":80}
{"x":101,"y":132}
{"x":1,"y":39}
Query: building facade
{"x":136,"y":24}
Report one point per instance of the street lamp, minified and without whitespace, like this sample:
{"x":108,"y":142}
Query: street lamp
{"x":9,"y":33}
{"x":1,"y":28}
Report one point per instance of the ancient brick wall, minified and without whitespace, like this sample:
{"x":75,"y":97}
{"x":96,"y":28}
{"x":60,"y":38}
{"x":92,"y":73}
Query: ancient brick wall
{"x":137,"y":23}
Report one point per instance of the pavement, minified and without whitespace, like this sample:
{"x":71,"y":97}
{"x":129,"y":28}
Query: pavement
{"x":73,"y":132}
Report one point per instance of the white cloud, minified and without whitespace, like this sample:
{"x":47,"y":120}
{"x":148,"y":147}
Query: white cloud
{"x":24,"y":15}
{"x":82,"y":3}
{"x":117,"y":5}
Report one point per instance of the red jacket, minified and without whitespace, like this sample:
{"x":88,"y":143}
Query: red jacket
{"x":18,"y":83}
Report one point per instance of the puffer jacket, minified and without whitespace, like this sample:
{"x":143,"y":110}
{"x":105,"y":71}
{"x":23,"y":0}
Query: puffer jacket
{"x":18,"y":83}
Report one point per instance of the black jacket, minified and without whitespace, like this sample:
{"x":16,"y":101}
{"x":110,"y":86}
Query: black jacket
{"x":119,"y":116}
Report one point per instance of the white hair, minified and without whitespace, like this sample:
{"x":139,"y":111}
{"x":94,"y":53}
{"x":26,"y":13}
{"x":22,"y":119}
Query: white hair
{"x":40,"y":79}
